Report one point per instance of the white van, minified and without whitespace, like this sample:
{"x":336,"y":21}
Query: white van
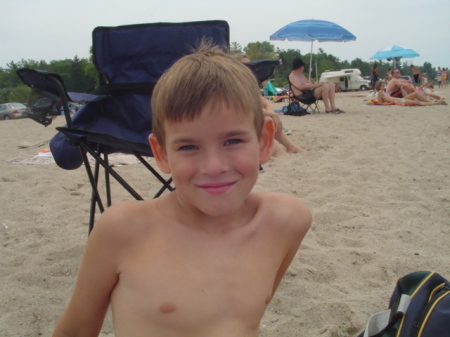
{"x":346,"y":79}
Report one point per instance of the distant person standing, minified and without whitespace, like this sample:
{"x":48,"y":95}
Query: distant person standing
{"x":439,"y":77}
{"x":375,"y":76}
{"x":444,"y":77}
{"x":416,"y":75}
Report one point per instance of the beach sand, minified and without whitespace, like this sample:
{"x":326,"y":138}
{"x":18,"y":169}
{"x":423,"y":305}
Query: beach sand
{"x":377,"y":180}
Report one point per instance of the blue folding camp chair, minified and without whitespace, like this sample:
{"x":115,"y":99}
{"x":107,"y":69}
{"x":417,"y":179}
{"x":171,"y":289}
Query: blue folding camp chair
{"x":130,"y":60}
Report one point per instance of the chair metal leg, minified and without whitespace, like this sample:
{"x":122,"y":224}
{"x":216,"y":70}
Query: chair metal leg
{"x":107,"y":180}
{"x":116,"y":176}
{"x":166,"y":183}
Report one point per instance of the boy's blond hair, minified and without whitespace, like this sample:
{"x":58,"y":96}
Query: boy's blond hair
{"x":207,"y":75}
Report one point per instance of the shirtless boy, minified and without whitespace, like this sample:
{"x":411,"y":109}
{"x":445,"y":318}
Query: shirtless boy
{"x":206,"y":259}
{"x":398,"y":87}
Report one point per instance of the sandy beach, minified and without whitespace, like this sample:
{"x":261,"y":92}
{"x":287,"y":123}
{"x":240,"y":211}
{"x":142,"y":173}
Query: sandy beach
{"x":377,"y":180}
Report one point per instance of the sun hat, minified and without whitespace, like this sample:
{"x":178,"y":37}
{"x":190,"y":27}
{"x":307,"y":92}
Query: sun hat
{"x":297,"y":63}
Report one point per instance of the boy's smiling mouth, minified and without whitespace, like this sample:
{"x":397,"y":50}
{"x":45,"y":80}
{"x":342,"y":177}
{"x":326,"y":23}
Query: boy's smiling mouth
{"x":216,"y":188}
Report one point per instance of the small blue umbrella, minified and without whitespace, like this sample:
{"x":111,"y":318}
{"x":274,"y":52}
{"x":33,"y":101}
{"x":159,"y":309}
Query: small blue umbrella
{"x":394,"y":52}
{"x":313,"y":30}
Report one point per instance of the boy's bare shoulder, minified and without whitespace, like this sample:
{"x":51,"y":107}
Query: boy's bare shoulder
{"x":282,"y":200}
{"x":125,"y":220}
{"x":284,"y":208}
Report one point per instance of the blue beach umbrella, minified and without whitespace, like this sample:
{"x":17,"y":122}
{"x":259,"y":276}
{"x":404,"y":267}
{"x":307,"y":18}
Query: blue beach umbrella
{"x":313,"y":30}
{"x":394,"y":52}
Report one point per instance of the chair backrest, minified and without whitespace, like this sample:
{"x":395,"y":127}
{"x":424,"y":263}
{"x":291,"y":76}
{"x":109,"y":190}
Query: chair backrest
{"x":130,"y":60}
{"x":262,"y":69}
{"x":142,"y":53}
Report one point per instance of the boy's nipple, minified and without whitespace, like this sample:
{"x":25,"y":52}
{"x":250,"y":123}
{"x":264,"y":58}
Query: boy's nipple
{"x":167,"y":307}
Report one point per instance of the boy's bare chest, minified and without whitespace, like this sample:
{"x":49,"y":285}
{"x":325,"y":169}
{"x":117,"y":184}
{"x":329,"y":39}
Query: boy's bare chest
{"x":199,"y":285}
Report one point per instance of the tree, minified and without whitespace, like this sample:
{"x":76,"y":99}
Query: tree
{"x":260,"y":51}
{"x":82,"y":76}
{"x":19,"y":94}
{"x":361,"y":65}
{"x":284,"y":69}
{"x":235,"y":48}
{"x":428,"y":68}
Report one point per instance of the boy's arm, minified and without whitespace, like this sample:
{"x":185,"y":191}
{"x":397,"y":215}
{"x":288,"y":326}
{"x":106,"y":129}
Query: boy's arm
{"x":300,"y":219}
{"x":97,"y":277}
{"x":305,"y":86}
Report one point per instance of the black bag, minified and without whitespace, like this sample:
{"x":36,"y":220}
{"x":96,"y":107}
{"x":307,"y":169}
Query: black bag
{"x":419,"y":307}
{"x":295,"y":109}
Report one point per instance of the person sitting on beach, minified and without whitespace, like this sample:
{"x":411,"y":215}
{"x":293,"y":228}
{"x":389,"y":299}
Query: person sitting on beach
{"x":280,"y":135}
{"x":206,"y":259}
{"x":398,"y":87}
{"x":425,"y":81}
{"x":439,"y":77}
{"x":444,"y":77}
{"x":410,"y":100}
{"x":321,"y":90}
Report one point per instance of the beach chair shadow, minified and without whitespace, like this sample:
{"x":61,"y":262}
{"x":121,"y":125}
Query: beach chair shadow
{"x":117,"y":118}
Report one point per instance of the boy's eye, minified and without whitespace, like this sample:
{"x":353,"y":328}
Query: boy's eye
{"x":233,"y":141}
{"x":187,"y":148}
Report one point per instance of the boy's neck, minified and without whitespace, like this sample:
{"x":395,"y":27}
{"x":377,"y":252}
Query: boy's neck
{"x":215,"y":225}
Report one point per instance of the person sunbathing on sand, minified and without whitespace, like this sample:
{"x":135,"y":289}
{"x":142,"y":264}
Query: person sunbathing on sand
{"x":410,"y":100}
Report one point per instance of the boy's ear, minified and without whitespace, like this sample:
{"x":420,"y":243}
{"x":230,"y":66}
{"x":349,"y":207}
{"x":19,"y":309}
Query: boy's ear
{"x":159,"y":153}
{"x":266,"y":140}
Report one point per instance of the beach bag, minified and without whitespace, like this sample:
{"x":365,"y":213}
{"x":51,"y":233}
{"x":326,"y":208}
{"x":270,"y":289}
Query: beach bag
{"x":295,"y":109}
{"x":419,"y":307}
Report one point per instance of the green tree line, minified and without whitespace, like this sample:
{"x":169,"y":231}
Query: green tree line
{"x":80,"y":75}
{"x":321,"y":62}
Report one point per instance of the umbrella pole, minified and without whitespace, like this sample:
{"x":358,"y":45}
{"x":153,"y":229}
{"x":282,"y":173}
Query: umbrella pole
{"x":310,"y":60}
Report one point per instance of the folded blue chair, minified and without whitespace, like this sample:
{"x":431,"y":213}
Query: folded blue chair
{"x":117,"y":118}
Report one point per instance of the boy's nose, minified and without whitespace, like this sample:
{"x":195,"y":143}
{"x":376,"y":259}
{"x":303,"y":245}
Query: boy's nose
{"x":214,"y":163}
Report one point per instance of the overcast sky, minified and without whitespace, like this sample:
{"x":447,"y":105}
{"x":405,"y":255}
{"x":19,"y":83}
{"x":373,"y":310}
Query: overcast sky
{"x":59,"y":29}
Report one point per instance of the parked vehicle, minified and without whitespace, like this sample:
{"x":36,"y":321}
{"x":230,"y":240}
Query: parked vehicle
{"x":346,"y":79}
{"x":12,"y":110}
{"x":368,"y":78}
{"x":407,"y":78}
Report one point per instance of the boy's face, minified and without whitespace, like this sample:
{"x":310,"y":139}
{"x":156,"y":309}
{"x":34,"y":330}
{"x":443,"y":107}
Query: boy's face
{"x":214,"y":159}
